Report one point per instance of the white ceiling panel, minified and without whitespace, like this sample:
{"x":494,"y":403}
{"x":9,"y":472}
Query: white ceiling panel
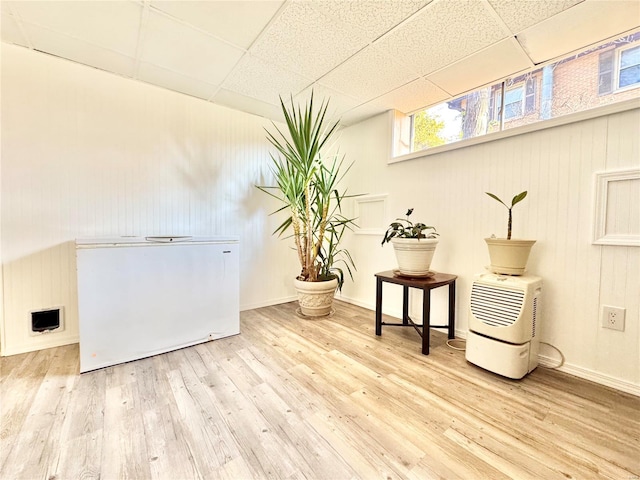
{"x":371,"y":17}
{"x":578,"y":27}
{"x":442,"y":33}
{"x":338,"y":102}
{"x":81,"y":52}
{"x":361,"y":76}
{"x":412,"y":96}
{"x":240,"y":102}
{"x":238,"y":22}
{"x":489,"y":65}
{"x":255,"y":78}
{"x":366,"y":55}
{"x":112,"y":25}
{"x":173,"y":81}
{"x":189,"y":52}
{"x":303,"y":40}
{"x":11,"y":33}
{"x":361,"y":113}
{"x":519,"y":14}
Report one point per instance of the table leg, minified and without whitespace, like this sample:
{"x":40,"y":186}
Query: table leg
{"x":452,"y":310}
{"x":405,"y":305}
{"x":426,"y":320}
{"x":378,"y":306}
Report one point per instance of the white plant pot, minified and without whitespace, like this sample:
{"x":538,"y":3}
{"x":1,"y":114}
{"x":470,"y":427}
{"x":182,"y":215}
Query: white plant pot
{"x":315,"y":298}
{"x":509,"y":256}
{"x":414,"y":255}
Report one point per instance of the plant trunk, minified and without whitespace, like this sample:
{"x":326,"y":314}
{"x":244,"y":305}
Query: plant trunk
{"x":309,"y":268}
{"x":509,"y":227}
{"x":295,"y":222}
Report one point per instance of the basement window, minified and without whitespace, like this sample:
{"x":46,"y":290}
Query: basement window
{"x":596,"y":77}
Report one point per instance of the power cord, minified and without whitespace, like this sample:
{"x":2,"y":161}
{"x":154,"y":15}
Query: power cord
{"x":450,"y":345}
{"x":562,"y":359}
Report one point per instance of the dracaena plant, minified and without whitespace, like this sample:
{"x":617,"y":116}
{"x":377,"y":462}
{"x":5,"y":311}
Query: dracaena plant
{"x":405,"y":228}
{"x":306,"y":183}
{"x":515,"y":200}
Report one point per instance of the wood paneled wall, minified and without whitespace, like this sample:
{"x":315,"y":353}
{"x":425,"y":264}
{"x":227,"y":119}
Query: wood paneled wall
{"x":87,"y":153}
{"x":557,"y":167}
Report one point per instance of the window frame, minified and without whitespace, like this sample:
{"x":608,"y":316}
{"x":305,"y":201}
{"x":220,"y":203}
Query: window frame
{"x":519,"y":86}
{"x":618,"y":67}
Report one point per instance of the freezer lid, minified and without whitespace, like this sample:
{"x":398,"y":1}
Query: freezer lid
{"x":115,"y":241}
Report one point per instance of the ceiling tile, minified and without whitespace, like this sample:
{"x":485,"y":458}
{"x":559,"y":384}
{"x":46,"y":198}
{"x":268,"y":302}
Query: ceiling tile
{"x":78,"y":51}
{"x":11,"y":32}
{"x":173,"y":81}
{"x":518,"y":15}
{"x":361,"y":76}
{"x":305,"y":41}
{"x":255,"y":78}
{"x":372,"y":17}
{"x":583,"y":25}
{"x":442,"y":33}
{"x":220,"y":18}
{"x":338,"y":102}
{"x":175,"y":46}
{"x":489,"y":65}
{"x":362,"y":112}
{"x":112,"y":25}
{"x":237,"y":101}
{"x":411,"y":97}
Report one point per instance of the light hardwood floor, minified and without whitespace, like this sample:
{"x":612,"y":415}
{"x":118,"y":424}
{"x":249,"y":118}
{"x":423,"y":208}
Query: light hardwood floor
{"x":316,"y":399}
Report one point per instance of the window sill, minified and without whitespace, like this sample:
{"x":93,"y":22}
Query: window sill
{"x":534,"y":127}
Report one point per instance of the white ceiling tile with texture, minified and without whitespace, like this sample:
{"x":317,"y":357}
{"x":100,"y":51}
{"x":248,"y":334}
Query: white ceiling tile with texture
{"x":187,"y":51}
{"x":368,"y":54}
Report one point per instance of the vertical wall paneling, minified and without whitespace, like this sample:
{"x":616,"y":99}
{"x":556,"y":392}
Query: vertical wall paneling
{"x":556,"y":166}
{"x":86,"y":153}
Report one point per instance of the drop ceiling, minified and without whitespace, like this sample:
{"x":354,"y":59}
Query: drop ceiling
{"x":367,"y":56}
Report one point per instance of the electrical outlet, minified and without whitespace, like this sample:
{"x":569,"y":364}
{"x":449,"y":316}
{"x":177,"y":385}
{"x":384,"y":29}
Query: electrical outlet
{"x":613,"y":317}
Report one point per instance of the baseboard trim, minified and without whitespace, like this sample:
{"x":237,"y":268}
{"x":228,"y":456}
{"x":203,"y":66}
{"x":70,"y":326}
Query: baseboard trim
{"x":268,"y":303}
{"x":368,"y":306}
{"x":548,"y":362}
{"x":40,"y":346}
{"x":593,"y":376}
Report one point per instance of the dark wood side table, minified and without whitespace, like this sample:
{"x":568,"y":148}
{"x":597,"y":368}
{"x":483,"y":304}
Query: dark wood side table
{"x":426,"y":285}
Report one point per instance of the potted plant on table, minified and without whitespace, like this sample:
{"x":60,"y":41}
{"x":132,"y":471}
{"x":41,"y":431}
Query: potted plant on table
{"x":509,"y":256}
{"x":307,"y":186}
{"x":414,"y":245}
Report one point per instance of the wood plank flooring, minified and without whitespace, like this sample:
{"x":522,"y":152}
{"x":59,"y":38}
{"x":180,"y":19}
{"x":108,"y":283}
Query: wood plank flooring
{"x":290,"y":398}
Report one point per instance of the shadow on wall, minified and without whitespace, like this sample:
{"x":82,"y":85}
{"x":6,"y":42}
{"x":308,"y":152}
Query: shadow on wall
{"x":43,"y":280}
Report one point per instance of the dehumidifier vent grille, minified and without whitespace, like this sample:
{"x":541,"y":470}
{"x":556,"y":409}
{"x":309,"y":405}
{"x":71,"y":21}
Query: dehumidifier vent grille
{"x":498,"y":307}
{"x":535,"y":310}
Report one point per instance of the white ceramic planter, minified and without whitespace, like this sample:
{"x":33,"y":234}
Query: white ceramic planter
{"x":509,"y":256}
{"x":414,"y":255}
{"x":315,"y":298}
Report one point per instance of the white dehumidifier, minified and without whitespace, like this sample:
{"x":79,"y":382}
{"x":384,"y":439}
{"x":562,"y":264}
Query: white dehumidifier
{"x":502,"y":324}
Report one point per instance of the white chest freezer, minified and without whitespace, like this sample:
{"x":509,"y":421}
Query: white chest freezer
{"x":141,"y":296}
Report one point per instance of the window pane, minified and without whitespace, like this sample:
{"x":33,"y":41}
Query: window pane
{"x":465,"y":117}
{"x":512,"y":96}
{"x":530,"y":97}
{"x":629,"y":76}
{"x":606,"y":62}
{"x":599,"y":76}
{"x":606,"y":83}
{"x":630,"y":57}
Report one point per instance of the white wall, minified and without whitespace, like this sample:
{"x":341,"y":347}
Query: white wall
{"x":88,"y":153}
{"x":556,"y":166}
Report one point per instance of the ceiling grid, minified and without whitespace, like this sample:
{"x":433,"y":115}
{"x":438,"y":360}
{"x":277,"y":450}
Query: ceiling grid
{"x":367,"y":55}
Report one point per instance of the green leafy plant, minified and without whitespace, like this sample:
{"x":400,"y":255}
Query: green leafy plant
{"x":405,"y":228}
{"x":307,"y":186}
{"x":517,"y":199}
